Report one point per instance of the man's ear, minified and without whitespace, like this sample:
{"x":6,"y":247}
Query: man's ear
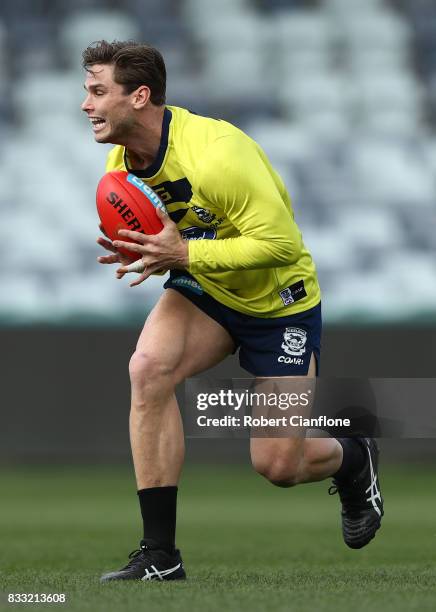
{"x":140,"y":96}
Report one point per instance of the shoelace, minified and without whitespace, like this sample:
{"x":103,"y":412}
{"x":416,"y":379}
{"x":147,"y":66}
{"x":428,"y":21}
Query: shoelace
{"x":134,"y":557}
{"x":348,"y":496}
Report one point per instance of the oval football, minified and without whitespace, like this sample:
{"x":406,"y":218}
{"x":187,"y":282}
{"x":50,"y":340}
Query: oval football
{"x":125,"y":202}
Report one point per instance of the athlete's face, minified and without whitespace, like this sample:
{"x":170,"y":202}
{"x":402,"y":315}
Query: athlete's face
{"x":109,"y":109}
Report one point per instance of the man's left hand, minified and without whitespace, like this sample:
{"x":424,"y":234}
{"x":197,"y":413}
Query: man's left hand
{"x":164,"y":251}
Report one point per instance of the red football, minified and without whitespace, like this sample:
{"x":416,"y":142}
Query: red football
{"x":125,"y":202}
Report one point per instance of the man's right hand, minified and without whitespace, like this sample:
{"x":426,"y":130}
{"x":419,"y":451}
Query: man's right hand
{"x":116,"y":257}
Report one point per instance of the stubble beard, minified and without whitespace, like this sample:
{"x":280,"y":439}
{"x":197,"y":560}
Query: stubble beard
{"x":120,"y":132}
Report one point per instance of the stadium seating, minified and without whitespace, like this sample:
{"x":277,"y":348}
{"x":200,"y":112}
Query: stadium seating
{"x":340,"y":93}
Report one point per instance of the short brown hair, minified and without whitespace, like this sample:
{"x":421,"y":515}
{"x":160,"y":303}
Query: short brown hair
{"x":135,"y":64}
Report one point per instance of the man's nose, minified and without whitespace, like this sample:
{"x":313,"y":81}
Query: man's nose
{"x":86,"y":104}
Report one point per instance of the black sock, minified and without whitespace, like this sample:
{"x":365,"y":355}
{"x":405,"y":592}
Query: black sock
{"x":158,"y":509}
{"x":353,"y":458}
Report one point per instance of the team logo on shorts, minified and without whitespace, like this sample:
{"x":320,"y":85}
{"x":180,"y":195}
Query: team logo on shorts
{"x":294,"y":341}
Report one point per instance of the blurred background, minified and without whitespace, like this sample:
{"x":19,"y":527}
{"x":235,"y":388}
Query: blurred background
{"x":340,"y":93}
{"x":342,"y":96}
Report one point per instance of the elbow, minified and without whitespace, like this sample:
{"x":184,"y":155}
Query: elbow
{"x":288,"y":254}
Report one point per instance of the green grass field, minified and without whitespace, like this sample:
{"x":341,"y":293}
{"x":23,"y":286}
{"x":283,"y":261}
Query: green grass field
{"x":246,"y":545}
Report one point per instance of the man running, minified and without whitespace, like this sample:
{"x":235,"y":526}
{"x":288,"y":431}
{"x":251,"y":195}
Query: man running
{"x":240,"y":278}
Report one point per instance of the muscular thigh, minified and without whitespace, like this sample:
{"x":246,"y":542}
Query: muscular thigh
{"x":263,"y":449}
{"x":183,"y":337}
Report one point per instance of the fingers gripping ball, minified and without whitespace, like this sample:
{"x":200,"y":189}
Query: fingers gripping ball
{"x":125,"y":202}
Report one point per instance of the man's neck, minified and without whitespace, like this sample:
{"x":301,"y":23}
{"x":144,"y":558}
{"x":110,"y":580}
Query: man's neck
{"x":143,"y":146}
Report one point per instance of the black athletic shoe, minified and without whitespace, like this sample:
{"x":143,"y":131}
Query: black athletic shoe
{"x":362,"y":503}
{"x":149,"y":563}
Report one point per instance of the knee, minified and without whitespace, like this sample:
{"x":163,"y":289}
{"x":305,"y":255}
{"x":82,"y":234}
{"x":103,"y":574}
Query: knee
{"x":148,"y":369}
{"x":280,"y":470}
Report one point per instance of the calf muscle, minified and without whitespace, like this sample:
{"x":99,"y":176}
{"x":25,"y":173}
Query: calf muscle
{"x":178,"y":341}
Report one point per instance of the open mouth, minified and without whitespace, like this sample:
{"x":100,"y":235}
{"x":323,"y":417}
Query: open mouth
{"x":97,"y":123}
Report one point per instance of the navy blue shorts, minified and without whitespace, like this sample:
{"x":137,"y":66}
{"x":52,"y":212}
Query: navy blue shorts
{"x":281,"y":346}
